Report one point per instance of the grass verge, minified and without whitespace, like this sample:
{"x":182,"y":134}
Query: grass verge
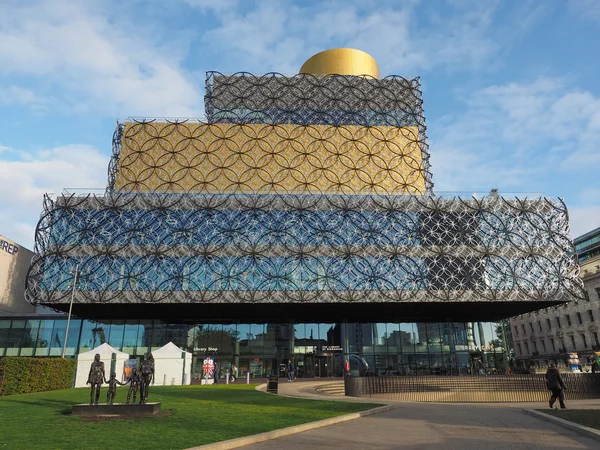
{"x":587,"y":417}
{"x":200,"y":415}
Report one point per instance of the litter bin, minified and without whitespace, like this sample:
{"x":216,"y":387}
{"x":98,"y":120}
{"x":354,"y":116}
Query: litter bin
{"x":272,"y":384}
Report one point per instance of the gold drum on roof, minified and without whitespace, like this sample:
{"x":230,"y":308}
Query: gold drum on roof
{"x":341,"y":61}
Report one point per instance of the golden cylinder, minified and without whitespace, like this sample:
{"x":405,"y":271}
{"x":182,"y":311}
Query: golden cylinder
{"x":341,"y":61}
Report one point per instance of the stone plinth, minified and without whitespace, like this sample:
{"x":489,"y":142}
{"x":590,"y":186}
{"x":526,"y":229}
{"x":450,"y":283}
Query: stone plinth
{"x":117,"y":409}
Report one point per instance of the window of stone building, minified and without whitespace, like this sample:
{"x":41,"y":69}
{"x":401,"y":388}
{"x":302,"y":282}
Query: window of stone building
{"x":540,"y":325}
{"x":558,"y":322}
{"x":535,"y":349}
{"x":516,"y":330}
{"x":519,"y":348}
{"x":543,"y":345}
{"x":568,"y":319}
{"x":531,"y":326}
{"x":549,"y":324}
{"x":596,"y":342}
{"x":552,"y":344}
{"x":586,"y":295}
{"x":597,"y":293}
{"x":584,"y":340}
{"x":523,"y":327}
{"x":579,"y":318}
{"x":573,"y":341}
{"x":526,"y":347}
{"x":591,"y":315}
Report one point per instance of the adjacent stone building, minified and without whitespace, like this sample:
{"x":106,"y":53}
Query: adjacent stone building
{"x":550,"y":334}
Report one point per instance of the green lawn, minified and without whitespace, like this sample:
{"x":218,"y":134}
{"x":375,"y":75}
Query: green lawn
{"x":201,"y":415}
{"x":588,"y":417}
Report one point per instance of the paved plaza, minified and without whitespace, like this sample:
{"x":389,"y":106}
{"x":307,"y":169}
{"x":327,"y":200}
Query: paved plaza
{"x":429,"y":426}
{"x":435,"y":425}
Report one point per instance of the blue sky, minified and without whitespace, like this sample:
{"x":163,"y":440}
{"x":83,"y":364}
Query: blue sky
{"x":511,"y":89}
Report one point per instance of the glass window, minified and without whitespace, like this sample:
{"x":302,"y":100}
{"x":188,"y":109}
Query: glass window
{"x":523,"y":327}
{"x":573,"y":342}
{"x":526,"y":348}
{"x":29,"y":338}
{"x":516,"y":330}
{"x":568,"y":317}
{"x":552,"y":344}
{"x":245,"y":336}
{"x":543,"y":345}
{"x":177,"y":334}
{"x":584,"y":340}
{"x":42,"y":346}
{"x":531,"y":326}
{"x":130,"y":337}
{"x":4,"y":331}
{"x":214,"y":342}
{"x":144,"y":339}
{"x":579,"y":318}
{"x":519,"y":348}
{"x":115,"y":335}
{"x":158,"y":335}
{"x":558,"y":322}
{"x":90,"y":337}
{"x":596,"y":342}
{"x":15,"y":337}
{"x":591,"y":315}
{"x":57,"y":339}
{"x":540,"y":325}
{"x":549,"y":324}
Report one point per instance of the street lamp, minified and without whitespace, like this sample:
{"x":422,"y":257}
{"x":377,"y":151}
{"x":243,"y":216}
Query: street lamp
{"x":70,"y":308}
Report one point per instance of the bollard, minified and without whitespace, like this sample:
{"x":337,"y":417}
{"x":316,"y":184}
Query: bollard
{"x":248,"y":378}
{"x":227,"y":377}
{"x":164,"y":380}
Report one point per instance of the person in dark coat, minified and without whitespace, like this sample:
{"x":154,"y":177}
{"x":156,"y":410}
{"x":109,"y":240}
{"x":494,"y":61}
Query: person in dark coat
{"x":554,"y":383}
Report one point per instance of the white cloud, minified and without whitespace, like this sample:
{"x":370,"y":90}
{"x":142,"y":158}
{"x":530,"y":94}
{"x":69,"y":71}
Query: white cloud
{"x":95,"y":61}
{"x":584,"y":219}
{"x":520,"y":137}
{"x":279,"y":36}
{"x":517,"y":137}
{"x":586,"y":9}
{"x":16,"y":95}
{"x":25,"y":180}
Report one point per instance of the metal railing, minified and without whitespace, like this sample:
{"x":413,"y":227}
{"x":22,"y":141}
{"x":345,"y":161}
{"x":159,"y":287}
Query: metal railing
{"x":465,"y":389}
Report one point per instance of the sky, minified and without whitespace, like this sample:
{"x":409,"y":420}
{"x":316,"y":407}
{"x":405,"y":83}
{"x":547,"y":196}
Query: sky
{"x":511,"y":89}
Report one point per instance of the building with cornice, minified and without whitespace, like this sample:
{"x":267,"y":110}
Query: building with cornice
{"x":297,"y":221}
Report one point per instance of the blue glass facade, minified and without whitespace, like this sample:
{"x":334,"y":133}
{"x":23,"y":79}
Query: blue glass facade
{"x":317,"y":349}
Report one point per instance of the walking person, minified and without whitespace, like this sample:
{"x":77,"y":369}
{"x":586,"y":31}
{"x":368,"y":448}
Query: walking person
{"x":217,"y":368}
{"x":290,"y":370}
{"x":554,"y":383}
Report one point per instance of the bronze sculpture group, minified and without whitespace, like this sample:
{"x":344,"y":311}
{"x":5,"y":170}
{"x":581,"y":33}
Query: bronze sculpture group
{"x":138,"y":380}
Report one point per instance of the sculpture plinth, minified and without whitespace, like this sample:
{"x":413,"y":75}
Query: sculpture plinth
{"x":116,"y":409}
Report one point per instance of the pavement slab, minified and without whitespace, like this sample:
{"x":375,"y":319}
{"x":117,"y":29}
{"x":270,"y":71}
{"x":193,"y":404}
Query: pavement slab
{"x":439,"y":426}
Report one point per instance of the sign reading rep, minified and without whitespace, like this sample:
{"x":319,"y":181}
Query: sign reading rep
{"x":7,"y":247}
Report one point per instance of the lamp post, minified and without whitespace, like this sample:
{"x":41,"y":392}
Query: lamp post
{"x":70,"y":308}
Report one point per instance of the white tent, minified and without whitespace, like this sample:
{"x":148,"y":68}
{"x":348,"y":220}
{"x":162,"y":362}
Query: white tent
{"x":171,"y":367}
{"x":84,"y":361}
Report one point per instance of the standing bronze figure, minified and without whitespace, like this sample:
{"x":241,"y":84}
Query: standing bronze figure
{"x":112,"y":388}
{"x":95,"y":378}
{"x":147,"y":375}
{"x":134,"y":384}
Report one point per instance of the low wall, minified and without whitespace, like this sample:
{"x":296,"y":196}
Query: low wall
{"x":459,"y":389}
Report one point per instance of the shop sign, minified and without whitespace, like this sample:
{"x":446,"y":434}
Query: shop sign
{"x":9,"y":248}
{"x":332,"y":348}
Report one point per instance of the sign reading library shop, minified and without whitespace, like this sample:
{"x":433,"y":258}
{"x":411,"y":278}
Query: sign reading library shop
{"x":7,"y":247}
